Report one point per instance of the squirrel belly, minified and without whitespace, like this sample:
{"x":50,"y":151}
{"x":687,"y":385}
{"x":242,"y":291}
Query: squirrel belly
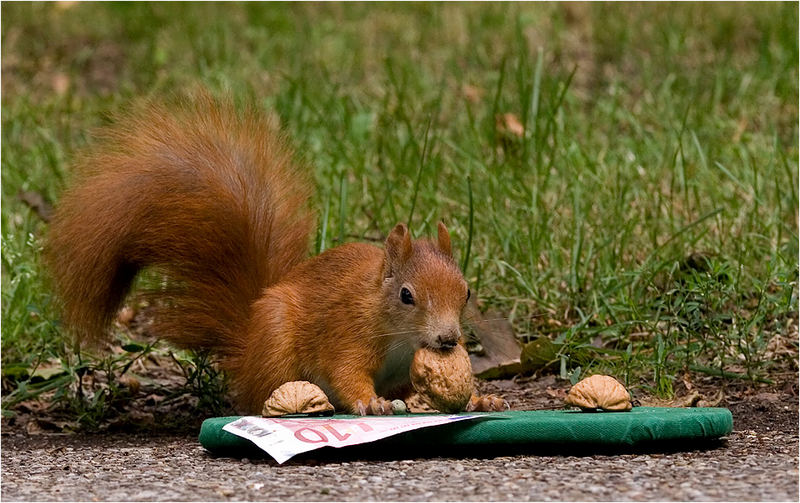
{"x":213,"y":199}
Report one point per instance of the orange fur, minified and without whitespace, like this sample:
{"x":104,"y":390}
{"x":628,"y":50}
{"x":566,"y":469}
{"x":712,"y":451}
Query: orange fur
{"x":213,"y":199}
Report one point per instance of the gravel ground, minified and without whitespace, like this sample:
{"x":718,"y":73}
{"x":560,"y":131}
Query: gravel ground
{"x":748,"y":466}
{"x":758,"y":461}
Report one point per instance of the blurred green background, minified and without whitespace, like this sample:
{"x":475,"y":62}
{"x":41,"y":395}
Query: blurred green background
{"x":633,"y":167}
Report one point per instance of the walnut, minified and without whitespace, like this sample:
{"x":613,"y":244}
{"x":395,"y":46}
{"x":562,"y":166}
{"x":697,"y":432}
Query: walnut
{"x":443,"y":378}
{"x":297,"y":397}
{"x":599,"y":392}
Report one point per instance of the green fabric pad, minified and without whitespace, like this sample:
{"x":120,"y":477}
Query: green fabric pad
{"x":517,"y":431}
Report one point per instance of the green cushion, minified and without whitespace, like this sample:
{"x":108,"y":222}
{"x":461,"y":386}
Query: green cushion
{"x":517,"y":431}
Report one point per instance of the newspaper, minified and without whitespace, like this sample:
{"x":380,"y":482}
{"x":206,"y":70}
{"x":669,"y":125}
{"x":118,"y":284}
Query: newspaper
{"x":282,"y":438}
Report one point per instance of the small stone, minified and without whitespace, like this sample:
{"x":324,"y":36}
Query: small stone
{"x":399,"y":407}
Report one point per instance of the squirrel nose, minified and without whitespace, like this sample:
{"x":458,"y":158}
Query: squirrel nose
{"x":448,"y":339}
{"x":446,"y":344}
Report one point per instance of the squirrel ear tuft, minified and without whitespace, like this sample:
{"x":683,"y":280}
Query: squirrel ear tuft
{"x":444,"y":240}
{"x":398,"y":248}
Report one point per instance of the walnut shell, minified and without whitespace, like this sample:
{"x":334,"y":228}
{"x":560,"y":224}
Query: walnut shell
{"x":443,"y":378}
{"x":599,"y":392}
{"x":297,"y":397}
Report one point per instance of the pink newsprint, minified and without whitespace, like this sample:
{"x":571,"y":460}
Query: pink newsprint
{"x":283,"y":438}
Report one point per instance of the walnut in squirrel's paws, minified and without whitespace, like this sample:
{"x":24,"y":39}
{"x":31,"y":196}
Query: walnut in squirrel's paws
{"x":443,"y":380}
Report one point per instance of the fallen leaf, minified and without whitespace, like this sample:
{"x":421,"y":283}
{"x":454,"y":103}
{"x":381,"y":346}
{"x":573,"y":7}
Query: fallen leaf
{"x":500,"y":356}
{"x":32,"y":427}
{"x":473,"y":94}
{"x":508,"y":123}
{"x":689,"y":400}
{"x":60,"y":82}
{"x":125,"y":315}
{"x":34,"y":406}
{"x":54,"y":426}
{"x":713,"y":402}
{"x":687,"y":381}
{"x":141,"y":416}
{"x":37,"y":203}
{"x":47,"y":370}
{"x":131,"y":383}
{"x":740,"y":129}
{"x":768,"y":397}
{"x":693,"y":399}
{"x":153,"y":399}
{"x":540,"y":353}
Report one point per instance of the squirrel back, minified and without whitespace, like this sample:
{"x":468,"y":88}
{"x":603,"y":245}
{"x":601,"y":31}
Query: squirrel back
{"x":209,"y":197}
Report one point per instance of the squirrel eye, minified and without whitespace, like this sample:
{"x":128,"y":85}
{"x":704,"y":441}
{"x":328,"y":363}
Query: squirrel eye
{"x":405,"y":296}
{"x":468,"y":293}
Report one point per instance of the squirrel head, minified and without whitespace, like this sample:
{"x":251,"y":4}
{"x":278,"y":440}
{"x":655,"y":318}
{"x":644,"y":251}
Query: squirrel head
{"x":423,"y":288}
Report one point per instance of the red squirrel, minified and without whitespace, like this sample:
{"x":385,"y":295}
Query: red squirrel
{"x":213,"y":199}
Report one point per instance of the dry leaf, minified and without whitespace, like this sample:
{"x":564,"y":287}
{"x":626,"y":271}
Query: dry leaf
{"x":37,"y":203}
{"x":131,"y":383}
{"x":741,"y":127}
{"x":126,"y":315}
{"x":32,"y":428}
{"x":687,"y":381}
{"x":712,"y":402}
{"x":473,"y":94}
{"x":693,"y":399}
{"x":154,"y":399}
{"x":508,"y":123}
{"x":501,"y":350}
{"x":60,"y":82}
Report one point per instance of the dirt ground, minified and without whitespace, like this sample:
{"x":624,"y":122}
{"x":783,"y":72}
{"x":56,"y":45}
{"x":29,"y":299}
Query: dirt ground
{"x":758,"y":461}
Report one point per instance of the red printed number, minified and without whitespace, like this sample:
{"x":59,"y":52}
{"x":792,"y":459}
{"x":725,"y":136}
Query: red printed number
{"x":313,"y":436}
{"x":299,"y":435}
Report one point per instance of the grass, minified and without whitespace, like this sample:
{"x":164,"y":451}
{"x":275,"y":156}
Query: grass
{"x":648,"y":210}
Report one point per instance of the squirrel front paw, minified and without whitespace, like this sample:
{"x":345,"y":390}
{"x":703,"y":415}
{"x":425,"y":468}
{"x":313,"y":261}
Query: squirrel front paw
{"x":487,"y":403}
{"x":377,"y":406}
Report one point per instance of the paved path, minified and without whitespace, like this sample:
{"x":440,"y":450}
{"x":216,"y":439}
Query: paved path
{"x":750,"y":465}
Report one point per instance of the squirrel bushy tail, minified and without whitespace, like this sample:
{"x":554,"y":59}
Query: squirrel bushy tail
{"x":209,"y":197}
